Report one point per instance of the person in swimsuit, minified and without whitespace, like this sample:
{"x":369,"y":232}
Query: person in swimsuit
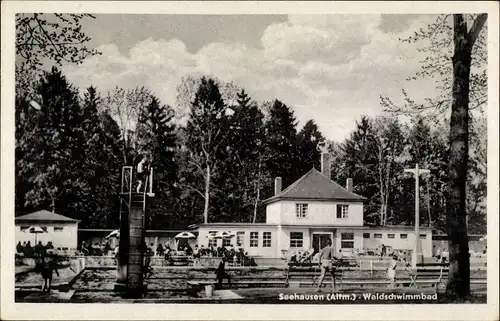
{"x":327,"y":254}
{"x":391,"y":271}
{"x":142,"y":172}
{"x":48,"y":264}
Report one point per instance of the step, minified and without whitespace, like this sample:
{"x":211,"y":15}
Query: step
{"x":54,"y":296}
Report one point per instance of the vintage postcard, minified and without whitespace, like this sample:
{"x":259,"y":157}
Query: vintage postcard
{"x":250,"y":160}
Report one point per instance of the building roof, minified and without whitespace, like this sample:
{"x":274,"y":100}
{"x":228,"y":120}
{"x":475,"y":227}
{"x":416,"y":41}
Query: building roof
{"x":398,"y":227}
{"x":44,"y":216}
{"x":315,"y":186}
{"x":228,"y":224}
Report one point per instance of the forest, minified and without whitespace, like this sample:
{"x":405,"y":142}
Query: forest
{"x":220,"y":163}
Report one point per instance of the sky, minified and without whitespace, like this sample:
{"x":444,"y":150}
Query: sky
{"x":329,"y":68}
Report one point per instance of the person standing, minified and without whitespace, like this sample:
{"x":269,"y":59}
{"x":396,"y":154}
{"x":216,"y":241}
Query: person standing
{"x":160,"y":250}
{"x":391,"y":271}
{"x":196,"y":256}
{"x":327,"y":255}
{"x":221,"y":273}
{"x":47,"y":266}
{"x":142,"y":172}
{"x":382,"y":251}
{"x":148,"y":253}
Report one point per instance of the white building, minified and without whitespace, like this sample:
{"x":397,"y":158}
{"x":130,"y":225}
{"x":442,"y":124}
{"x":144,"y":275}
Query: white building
{"x":62,"y":231}
{"x":307,"y":213}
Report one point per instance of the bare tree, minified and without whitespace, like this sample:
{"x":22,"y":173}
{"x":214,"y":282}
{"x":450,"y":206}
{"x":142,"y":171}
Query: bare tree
{"x":124,"y":106}
{"x":56,"y":37}
{"x":457,"y":55}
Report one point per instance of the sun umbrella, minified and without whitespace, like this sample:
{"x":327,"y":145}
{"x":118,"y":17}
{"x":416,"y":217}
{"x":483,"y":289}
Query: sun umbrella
{"x":115,"y":233}
{"x":35,"y":230}
{"x":223,"y":235}
{"x":227,"y":235}
{"x":215,"y":236}
{"x":185,"y":235}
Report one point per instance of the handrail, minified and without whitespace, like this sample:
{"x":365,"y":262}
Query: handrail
{"x":144,"y":194}
{"x":130,"y":189}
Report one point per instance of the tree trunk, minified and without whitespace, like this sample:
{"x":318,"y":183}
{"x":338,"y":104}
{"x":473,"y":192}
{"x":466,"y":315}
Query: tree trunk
{"x":207,"y":194}
{"x":429,"y":204}
{"x":257,"y":197}
{"x":458,"y":286}
{"x":382,"y":191}
{"x":256,"y":203}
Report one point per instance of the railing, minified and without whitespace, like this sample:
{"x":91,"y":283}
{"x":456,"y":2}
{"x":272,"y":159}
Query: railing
{"x":126,"y":179}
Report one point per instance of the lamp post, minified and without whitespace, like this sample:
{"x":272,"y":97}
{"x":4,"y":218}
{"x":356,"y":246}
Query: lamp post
{"x":417,"y":256}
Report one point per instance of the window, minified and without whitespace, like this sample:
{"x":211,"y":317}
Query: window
{"x":266,"y":239}
{"x":403,"y":236}
{"x":226,"y":242}
{"x":301,"y":210}
{"x":423,"y":236}
{"x":347,"y":240}
{"x":211,"y":240}
{"x":254,"y":239}
{"x":366,"y":235}
{"x":240,"y":239}
{"x":58,"y":228}
{"x":342,"y":211}
{"x":377,"y":235}
{"x":296,"y":239}
{"x":390,"y":236}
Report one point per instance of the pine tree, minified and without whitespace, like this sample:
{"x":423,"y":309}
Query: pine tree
{"x":52,"y":151}
{"x":157,"y":135}
{"x":360,"y":165}
{"x":102,"y":163}
{"x":281,"y":144}
{"x":310,"y":140}
{"x":244,"y":172}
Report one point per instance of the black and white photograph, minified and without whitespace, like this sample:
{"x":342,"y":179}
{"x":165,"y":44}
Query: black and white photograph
{"x":195,"y":158}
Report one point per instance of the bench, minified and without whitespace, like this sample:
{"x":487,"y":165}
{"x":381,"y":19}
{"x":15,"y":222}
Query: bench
{"x":197,"y":285}
{"x":431,"y":274}
{"x":172,"y":260}
{"x":434,"y":274}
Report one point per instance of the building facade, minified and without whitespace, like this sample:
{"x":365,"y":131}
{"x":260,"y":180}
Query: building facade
{"x":308,"y":213}
{"x":62,"y":231}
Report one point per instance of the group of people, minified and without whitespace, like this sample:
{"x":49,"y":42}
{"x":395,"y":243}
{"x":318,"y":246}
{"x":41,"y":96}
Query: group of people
{"x":440,"y":254}
{"x":26,"y":250}
{"x":306,"y":257}
{"x":229,"y":253}
{"x":96,"y":249}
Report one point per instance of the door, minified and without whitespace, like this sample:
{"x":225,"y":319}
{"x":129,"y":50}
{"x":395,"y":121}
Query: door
{"x":319,"y":240}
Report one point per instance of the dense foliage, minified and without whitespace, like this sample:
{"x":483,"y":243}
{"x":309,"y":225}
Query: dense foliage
{"x":220,"y":163}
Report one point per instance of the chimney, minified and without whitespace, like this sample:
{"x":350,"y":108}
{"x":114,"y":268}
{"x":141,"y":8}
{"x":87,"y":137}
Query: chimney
{"x":325,"y":165}
{"x":277,"y":185}
{"x":348,"y":185}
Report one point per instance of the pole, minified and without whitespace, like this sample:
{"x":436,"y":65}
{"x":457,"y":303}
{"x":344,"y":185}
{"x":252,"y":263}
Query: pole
{"x":417,"y":256}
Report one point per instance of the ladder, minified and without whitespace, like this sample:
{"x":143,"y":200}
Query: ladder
{"x":133,"y":203}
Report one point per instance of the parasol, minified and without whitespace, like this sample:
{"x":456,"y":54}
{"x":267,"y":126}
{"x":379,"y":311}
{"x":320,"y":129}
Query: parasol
{"x":185,"y":235}
{"x":35,"y":230}
{"x":115,"y":233}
